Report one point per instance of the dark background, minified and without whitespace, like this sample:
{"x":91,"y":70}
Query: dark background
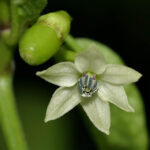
{"x":122,"y":25}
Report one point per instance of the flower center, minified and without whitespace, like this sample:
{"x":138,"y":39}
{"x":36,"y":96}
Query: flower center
{"x":88,"y":85}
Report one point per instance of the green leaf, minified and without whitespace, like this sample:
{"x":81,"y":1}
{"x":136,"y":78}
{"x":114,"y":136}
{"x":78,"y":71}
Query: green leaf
{"x":23,"y":13}
{"x":128,"y":130}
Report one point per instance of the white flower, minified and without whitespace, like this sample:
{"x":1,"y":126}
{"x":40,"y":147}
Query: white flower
{"x":89,"y":82}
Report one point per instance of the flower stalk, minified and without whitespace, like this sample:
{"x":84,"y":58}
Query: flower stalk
{"x":65,"y":54}
{"x":70,"y":41}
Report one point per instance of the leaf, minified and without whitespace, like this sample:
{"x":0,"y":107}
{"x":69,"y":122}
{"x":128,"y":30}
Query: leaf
{"x":23,"y":13}
{"x":128,"y":130}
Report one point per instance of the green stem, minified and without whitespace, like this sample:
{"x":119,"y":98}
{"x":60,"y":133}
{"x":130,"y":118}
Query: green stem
{"x":70,"y":41}
{"x":9,"y":120}
{"x":65,"y":55}
{"x":4,"y":13}
{"x":12,"y":39}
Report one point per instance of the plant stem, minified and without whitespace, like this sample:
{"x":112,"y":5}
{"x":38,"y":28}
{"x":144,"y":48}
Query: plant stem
{"x":5,"y":14}
{"x":9,"y":120}
{"x":65,"y":55}
{"x":70,"y":41}
{"x":12,"y":39}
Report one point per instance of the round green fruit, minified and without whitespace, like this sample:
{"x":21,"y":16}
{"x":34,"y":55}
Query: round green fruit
{"x":38,"y":44}
{"x":43,"y":39}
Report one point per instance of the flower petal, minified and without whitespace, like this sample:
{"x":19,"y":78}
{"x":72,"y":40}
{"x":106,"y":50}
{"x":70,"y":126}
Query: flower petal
{"x":90,"y":60}
{"x":98,"y":111}
{"x":63,"y":100}
{"x":119,"y":74}
{"x":61,"y":74}
{"x":114,"y":94}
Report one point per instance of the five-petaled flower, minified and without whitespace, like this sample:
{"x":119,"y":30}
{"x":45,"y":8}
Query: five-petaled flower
{"x":89,"y":82}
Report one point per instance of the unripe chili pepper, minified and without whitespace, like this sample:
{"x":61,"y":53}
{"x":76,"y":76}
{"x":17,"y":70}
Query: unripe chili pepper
{"x":43,"y":39}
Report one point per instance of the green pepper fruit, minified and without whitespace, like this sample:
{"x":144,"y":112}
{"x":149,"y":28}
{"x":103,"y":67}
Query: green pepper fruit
{"x":43,"y":39}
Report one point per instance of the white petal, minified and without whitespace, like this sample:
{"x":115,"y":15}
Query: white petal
{"x":90,"y":60}
{"x":63,"y":100}
{"x":98,"y":111}
{"x":114,"y":94}
{"x":61,"y":74}
{"x":119,"y":74}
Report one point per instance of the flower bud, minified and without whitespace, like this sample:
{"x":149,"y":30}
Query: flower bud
{"x":43,"y":39}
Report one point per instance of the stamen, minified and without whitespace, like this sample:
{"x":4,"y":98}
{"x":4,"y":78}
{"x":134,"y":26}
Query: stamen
{"x":94,"y":77}
{"x":87,"y":85}
{"x":83,"y":75}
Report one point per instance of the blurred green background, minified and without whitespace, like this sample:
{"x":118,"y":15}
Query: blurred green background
{"x":122,"y":25}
